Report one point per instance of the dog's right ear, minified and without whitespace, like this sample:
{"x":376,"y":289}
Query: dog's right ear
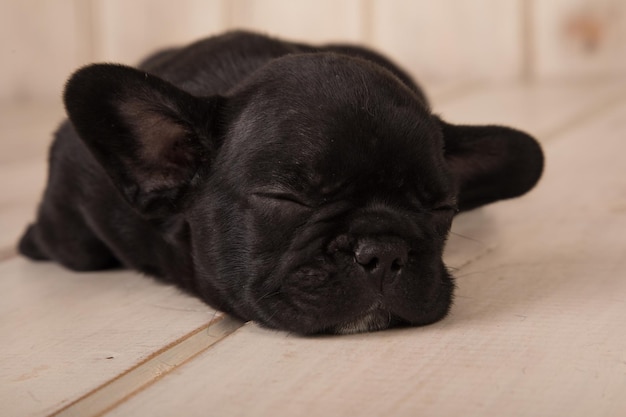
{"x":151,"y":137}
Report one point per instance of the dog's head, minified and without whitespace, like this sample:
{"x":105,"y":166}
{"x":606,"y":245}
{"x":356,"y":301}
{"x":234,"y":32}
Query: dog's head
{"x":319,"y":192}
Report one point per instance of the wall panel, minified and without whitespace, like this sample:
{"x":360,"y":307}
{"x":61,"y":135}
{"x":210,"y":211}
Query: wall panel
{"x":306,"y":20}
{"x":125,"y":31}
{"x":452,"y":41}
{"x":452,"y":38}
{"x":38,"y":47}
{"x":577,"y":38}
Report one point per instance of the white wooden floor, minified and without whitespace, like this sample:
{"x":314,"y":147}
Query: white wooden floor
{"x":538,"y":327}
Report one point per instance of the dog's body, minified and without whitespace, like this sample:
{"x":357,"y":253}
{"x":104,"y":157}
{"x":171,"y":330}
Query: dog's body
{"x":305,"y":188}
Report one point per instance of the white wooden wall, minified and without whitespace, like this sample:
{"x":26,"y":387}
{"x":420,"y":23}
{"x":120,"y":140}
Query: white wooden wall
{"x":42,"y":41}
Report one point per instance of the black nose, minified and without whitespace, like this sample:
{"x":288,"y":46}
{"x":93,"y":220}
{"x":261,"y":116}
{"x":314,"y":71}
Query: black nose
{"x":381,"y":258}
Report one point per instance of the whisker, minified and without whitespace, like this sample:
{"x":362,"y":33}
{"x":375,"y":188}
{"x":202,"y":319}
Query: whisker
{"x":471,"y":273}
{"x":268,"y":295}
{"x":467,"y":237}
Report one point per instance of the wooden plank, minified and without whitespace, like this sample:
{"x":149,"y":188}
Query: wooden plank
{"x":542,"y":109}
{"x":304,"y":20}
{"x":66,"y":334}
{"x":451,"y":39}
{"x":127,"y":32}
{"x":38,"y":40}
{"x":26,"y":129}
{"x":574,"y":39}
{"x":22,"y":187}
{"x":112,"y":393}
{"x":536,"y":329}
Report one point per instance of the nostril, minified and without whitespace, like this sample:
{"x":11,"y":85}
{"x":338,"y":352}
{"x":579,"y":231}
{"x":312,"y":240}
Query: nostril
{"x":371,"y":265}
{"x":381,"y":256}
{"x":397,"y":265}
{"x":367,"y":258}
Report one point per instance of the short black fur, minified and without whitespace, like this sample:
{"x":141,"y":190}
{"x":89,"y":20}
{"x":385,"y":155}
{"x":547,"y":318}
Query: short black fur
{"x":307,"y":188}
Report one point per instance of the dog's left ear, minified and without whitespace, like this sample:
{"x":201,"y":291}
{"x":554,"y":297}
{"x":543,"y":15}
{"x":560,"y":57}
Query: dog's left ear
{"x":151,"y":137}
{"x":491,"y":163}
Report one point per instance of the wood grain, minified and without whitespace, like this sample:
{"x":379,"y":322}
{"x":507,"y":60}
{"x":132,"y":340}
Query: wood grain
{"x":65,"y":334}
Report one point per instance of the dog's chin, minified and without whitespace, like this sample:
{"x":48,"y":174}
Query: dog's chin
{"x":379,"y":317}
{"x":374,"y":320}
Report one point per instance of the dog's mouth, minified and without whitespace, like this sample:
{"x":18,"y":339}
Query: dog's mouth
{"x":375,"y":319}
{"x":343,"y":318}
{"x":381,"y":317}
{"x":341,"y":294}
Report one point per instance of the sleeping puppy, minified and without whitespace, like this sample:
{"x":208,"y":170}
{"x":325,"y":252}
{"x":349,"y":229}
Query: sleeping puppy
{"x":306,"y":188}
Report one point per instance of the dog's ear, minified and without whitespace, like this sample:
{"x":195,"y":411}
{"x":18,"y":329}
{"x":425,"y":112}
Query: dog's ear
{"x":491,"y":163}
{"x":151,"y":137}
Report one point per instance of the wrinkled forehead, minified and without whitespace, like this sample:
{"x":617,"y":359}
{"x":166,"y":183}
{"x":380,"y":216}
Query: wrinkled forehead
{"x":323,"y":121}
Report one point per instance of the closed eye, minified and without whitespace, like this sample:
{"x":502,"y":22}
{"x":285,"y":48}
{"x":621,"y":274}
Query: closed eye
{"x":282,"y":197}
{"x":446,"y":208}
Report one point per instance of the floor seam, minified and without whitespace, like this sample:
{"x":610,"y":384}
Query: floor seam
{"x":583,"y":117}
{"x":120,"y":389}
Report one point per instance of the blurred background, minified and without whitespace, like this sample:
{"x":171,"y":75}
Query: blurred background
{"x":438,"y":41}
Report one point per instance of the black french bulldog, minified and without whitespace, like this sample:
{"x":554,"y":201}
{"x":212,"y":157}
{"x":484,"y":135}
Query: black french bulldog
{"x":307,"y":188}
